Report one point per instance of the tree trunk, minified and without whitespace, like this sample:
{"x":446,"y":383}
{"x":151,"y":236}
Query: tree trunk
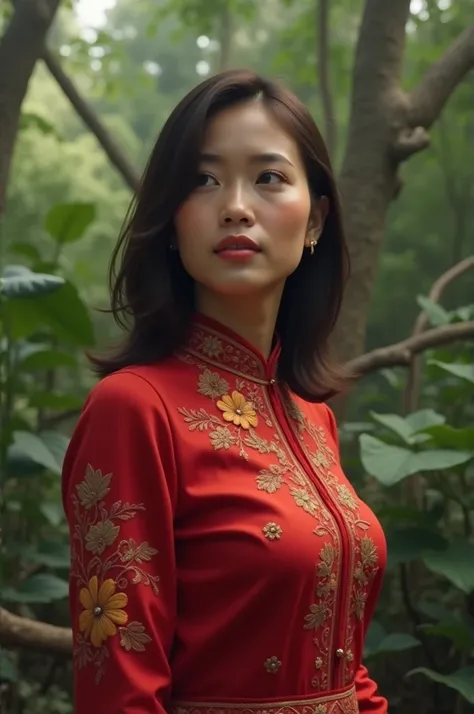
{"x":387,"y":126}
{"x":20,"y":47}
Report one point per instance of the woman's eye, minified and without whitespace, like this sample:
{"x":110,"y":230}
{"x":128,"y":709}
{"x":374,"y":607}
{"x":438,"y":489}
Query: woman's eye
{"x":205,"y":180}
{"x":271,"y":177}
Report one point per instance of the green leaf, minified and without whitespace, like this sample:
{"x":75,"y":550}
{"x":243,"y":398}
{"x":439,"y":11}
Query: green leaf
{"x":396,"y":642}
{"x":35,"y":448}
{"x":451,"y":438}
{"x":27,"y":250}
{"x":408,"y":544}
{"x":424,"y":418}
{"x":47,"y":359}
{"x":462,"y":680}
{"x":53,"y":512}
{"x":8,"y":668}
{"x":63,"y":312}
{"x":391,"y":464}
{"x":21,"y":282}
{"x":41,"y":588}
{"x":51,"y":554}
{"x":395,"y":423}
{"x":67,"y":222}
{"x":53,"y":400}
{"x":456,"y":563}
{"x":437,"y":315}
{"x":456,"y":632}
{"x":57,"y":444}
{"x":463,"y":371}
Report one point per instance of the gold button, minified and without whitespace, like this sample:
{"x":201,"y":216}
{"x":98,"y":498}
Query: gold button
{"x":339,"y":653}
{"x":273,"y":381}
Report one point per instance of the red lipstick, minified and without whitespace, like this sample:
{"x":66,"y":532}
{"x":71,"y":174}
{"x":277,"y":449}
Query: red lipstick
{"x":237,"y":247}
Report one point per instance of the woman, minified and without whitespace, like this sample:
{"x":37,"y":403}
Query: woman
{"x":221,"y":561}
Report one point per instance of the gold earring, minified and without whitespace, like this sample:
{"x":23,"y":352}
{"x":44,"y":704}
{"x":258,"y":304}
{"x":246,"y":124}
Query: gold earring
{"x":312,"y":246}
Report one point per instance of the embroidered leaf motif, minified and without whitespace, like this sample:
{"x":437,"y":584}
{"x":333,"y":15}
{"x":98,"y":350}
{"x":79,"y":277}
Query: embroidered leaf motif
{"x":198,"y":418}
{"x":134,"y":637}
{"x":94,"y":488}
{"x":130,"y":551}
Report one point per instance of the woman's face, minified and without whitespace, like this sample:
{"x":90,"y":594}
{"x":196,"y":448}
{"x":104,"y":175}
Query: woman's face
{"x":243,"y":229}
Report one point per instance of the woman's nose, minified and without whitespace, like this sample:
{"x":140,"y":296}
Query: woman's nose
{"x":237,"y":208}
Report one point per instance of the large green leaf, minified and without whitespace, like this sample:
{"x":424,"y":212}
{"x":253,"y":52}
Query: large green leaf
{"x":53,"y":400}
{"x":50,"y":554}
{"x":67,"y":222}
{"x":456,"y":563}
{"x":451,"y":438}
{"x":408,"y":544}
{"x":455,"y":631}
{"x":21,"y":282}
{"x":63,"y":312}
{"x":391,"y":464}
{"x":47,"y":359}
{"x":408,"y":427}
{"x":458,"y":369}
{"x":38,"y":450}
{"x":41,"y":588}
{"x":437,"y":315}
{"x":462,"y":680}
{"x":378,"y":642}
{"x":27,"y":250}
{"x":57,"y":444}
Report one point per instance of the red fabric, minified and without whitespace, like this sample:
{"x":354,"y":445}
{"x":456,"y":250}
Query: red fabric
{"x":214,"y":561}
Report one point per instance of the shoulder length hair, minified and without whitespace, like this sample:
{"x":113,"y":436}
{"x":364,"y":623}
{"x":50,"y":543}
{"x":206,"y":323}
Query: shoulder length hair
{"x":152,"y":295}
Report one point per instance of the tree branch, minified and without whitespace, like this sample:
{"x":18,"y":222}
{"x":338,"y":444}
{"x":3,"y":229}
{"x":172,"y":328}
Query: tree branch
{"x":432,"y":93}
{"x":92,"y":121}
{"x":322,"y":54}
{"x":412,"y":389}
{"x":16,"y":631}
{"x":20,"y":48}
{"x":401,"y":353}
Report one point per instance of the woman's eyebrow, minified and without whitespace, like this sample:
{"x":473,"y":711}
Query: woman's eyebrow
{"x":264,"y":158}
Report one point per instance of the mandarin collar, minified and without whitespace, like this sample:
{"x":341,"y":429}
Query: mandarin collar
{"x":219,"y":346}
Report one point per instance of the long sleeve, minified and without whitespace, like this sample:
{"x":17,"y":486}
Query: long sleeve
{"x":370,"y":702}
{"x":119,"y":493}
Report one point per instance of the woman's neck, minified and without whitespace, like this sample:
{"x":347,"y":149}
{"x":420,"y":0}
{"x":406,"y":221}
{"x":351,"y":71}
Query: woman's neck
{"x":251,"y":318}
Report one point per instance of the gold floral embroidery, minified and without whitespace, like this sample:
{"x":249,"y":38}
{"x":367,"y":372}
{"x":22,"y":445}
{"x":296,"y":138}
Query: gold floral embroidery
{"x":221,"y":438}
{"x":271,"y":479}
{"x":238,"y":410}
{"x":211,"y":346}
{"x":272,"y":665}
{"x":287,"y":470}
{"x":212,"y":384}
{"x":272,"y":531}
{"x":104,"y":576}
{"x":102,"y":610}
{"x":346,"y":497}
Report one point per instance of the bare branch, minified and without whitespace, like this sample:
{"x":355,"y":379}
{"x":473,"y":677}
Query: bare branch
{"x":430,"y":96}
{"x":412,"y":389}
{"x":410,"y":141}
{"x":322,"y":54}
{"x":92,"y":121}
{"x":16,"y":631}
{"x":401,"y":353}
{"x":20,"y":48}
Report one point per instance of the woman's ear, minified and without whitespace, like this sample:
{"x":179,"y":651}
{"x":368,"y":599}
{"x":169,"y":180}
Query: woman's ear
{"x":319,"y":212}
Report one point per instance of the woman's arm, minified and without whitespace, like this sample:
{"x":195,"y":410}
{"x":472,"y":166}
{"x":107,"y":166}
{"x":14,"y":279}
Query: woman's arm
{"x":119,"y":492}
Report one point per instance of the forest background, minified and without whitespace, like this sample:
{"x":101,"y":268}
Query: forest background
{"x":85,"y":86}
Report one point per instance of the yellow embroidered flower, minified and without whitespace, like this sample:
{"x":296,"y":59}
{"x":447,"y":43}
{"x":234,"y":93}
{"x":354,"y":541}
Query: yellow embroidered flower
{"x":94,"y":488}
{"x":102,"y":610}
{"x":237,"y":410}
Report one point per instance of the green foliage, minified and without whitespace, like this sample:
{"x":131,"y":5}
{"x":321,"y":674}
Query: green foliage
{"x":429,"y":453}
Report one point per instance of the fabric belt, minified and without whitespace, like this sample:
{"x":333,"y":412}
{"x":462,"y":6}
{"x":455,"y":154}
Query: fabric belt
{"x":343,"y":702}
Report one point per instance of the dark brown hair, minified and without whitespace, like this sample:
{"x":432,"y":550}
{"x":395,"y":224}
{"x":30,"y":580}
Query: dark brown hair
{"x":152,"y":295}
